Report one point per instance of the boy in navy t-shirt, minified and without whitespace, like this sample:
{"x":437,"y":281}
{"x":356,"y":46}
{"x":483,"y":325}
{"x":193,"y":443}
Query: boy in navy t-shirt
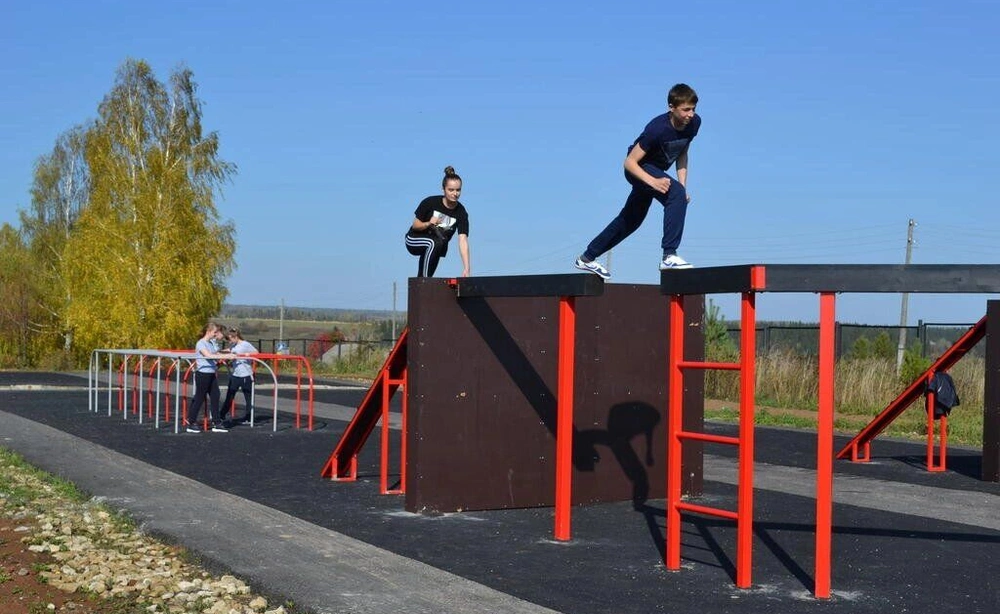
{"x":663,"y":142}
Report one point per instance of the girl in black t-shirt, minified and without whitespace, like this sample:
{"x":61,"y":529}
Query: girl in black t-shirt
{"x":435,"y":221}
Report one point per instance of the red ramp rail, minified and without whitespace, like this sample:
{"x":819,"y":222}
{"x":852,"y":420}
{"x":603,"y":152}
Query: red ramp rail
{"x":343,"y":463}
{"x":859,"y":448}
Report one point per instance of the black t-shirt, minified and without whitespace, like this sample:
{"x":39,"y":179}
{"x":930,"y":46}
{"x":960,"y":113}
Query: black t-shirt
{"x":663,"y":143}
{"x":451,"y":220}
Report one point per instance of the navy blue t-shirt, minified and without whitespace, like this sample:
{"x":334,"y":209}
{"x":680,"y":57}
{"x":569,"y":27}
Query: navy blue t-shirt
{"x":663,"y":143}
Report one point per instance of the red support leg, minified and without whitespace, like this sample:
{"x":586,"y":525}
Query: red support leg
{"x":402,"y":434}
{"x":939,"y":465}
{"x":675,"y":424}
{"x":564,"y":416}
{"x":943,"y":462}
{"x":748,"y":380}
{"x":384,"y":465}
{"x":824,"y":444}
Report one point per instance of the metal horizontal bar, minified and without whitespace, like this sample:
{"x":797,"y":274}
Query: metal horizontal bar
{"x":573,"y":284}
{"x":733,"y":441}
{"x":860,"y":278}
{"x":708,"y":511}
{"x":722,"y":366}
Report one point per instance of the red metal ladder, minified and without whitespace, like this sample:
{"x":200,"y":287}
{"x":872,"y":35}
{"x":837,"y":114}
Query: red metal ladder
{"x":676,"y":435}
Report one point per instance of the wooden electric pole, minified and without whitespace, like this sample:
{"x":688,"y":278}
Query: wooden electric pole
{"x":901,"y":348}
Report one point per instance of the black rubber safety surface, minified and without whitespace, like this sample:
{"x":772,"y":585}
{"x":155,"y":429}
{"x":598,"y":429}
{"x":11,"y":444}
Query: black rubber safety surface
{"x":882,"y":561}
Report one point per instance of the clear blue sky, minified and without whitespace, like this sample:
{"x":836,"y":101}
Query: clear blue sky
{"x":826,"y":126}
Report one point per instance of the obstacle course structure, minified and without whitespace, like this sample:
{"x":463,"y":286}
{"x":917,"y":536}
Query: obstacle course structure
{"x":485,"y":392}
{"x":827,"y":281}
{"x":155,"y":383}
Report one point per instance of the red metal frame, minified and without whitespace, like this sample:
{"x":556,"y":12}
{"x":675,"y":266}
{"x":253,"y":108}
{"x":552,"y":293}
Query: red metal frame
{"x":301,"y":361}
{"x":166,"y":393}
{"x":343,"y":462}
{"x":121,"y":385}
{"x":745,"y":441}
{"x":137,"y":376}
{"x":150,"y":392}
{"x":859,"y":448}
{"x":743,"y":516}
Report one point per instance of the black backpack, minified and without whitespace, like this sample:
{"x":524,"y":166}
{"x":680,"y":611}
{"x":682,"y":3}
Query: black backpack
{"x":945,"y":395}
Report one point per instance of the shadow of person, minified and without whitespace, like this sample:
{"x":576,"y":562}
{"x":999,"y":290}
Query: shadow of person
{"x":626,"y":421}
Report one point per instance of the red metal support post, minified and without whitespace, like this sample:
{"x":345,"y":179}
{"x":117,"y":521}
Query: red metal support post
{"x":384,"y":465}
{"x":564,"y":416}
{"x":403,"y":434}
{"x":675,"y":424}
{"x":388,"y":384}
{"x":943,"y":439}
{"x":748,"y":390}
{"x":939,"y":466}
{"x":824,"y":443}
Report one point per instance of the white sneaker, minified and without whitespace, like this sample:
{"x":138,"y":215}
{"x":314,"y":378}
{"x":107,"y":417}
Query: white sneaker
{"x":593,"y":267}
{"x":675,"y":262}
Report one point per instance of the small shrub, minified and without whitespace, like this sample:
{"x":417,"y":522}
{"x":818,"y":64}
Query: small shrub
{"x":913,"y":366}
{"x":56,"y":360}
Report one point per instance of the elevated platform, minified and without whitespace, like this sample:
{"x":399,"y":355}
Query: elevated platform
{"x":856,"y":278}
{"x":831,"y":279}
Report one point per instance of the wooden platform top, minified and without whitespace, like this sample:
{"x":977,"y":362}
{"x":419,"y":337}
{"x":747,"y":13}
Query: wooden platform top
{"x":861,"y":278}
{"x":574,"y":284}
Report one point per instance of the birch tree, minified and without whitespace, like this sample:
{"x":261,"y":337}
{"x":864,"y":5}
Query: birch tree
{"x":18,"y":304}
{"x":148,"y":258}
{"x":59,"y":192}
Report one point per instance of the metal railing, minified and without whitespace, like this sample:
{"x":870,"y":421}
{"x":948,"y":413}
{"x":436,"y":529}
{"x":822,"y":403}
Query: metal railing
{"x":176,"y":359}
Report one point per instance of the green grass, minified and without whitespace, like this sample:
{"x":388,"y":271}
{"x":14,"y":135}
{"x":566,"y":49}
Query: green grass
{"x":17,"y":493}
{"x":864,"y":387}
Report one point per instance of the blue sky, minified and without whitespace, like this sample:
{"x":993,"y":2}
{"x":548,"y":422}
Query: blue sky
{"x":826,"y":127}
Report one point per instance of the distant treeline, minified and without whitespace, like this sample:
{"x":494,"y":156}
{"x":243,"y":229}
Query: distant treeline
{"x":314,"y":314}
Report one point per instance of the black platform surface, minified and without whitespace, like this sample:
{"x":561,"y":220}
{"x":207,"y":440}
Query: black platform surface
{"x":884,"y":561}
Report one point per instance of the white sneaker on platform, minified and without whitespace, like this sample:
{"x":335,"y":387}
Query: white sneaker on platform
{"x":675,"y":262}
{"x":594,"y":267}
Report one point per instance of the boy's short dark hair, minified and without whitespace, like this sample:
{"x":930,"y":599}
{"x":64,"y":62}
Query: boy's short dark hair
{"x":682,"y":93}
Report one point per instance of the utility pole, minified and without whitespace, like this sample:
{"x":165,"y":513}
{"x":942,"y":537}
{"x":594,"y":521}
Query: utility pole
{"x":607,"y":261}
{"x":901,"y":348}
{"x":394,"y":310}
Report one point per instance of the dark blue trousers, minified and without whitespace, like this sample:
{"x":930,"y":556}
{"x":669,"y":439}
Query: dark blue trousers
{"x":634,"y":212}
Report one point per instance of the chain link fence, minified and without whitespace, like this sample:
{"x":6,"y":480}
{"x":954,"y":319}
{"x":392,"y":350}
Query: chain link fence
{"x":930,"y":339}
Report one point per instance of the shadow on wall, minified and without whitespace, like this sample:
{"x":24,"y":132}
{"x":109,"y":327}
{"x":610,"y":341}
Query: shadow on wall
{"x":625,"y":422}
